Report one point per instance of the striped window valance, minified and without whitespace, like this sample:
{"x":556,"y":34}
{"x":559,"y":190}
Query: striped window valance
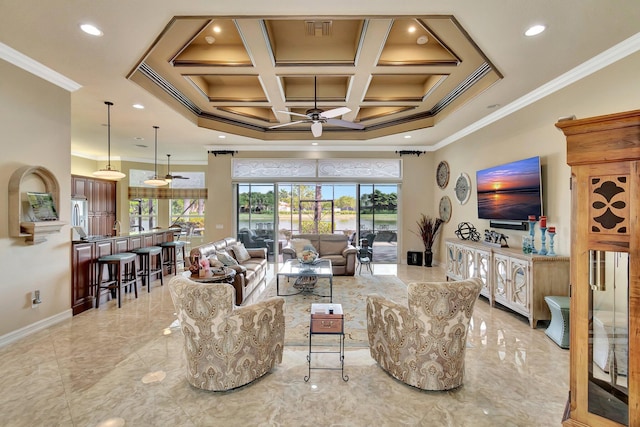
{"x":167,"y":193}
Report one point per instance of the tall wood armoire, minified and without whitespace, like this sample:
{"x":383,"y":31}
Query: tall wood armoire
{"x":604,"y":155}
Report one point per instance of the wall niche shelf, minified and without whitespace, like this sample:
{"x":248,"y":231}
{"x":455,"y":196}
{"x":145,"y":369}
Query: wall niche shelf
{"x":20,"y":225}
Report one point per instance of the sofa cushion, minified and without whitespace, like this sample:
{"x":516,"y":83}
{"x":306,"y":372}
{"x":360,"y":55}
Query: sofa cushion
{"x":226,"y":258}
{"x":332,"y":244}
{"x":299,"y":245}
{"x":214,"y":261}
{"x":240,"y":252}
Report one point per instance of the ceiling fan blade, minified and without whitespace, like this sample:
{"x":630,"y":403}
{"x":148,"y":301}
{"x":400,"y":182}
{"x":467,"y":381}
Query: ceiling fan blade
{"x":180,"y":177}
{"x":286,"y":124}
{"x":316,"y":129}
{"x":345,"y":124}
{"x":335,"y":112}
{"x":291,"y":113}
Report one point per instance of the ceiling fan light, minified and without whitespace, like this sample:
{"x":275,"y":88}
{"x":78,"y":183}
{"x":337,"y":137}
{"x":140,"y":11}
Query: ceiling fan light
{"x":316,"y":129}
{"x":168,"y":178}
{"x":108,"y":173}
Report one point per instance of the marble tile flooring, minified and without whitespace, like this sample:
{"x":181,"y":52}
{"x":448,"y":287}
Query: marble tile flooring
{"x":115,"y":367}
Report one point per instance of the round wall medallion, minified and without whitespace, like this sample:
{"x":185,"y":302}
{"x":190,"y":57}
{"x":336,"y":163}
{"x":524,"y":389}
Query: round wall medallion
{"x":442,"y":174}
{"x":463,"y":188}
{"x":445,"y":208}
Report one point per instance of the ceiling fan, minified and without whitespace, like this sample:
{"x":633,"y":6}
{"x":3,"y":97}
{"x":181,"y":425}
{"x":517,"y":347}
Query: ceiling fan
{"x":168,"y":177}
{"x":317,"y":117}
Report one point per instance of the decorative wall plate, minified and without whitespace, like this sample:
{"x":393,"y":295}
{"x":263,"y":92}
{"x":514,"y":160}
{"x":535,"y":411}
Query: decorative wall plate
{"x":463,"y":188}
{"x":442,"y":174}
{"x":445,"y":208}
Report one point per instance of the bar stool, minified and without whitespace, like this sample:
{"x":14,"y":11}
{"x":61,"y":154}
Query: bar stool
{"x":170,"y":250}
{"x":124,"y":275}
{"x":146,"y":270}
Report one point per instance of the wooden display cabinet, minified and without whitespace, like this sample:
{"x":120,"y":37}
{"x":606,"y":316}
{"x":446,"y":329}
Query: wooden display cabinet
{"x":604,"y":155}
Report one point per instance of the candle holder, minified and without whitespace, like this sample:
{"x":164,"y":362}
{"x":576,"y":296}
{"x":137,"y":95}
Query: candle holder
{"x":532,"y":233}
{"x":543,"y":249}
{"x":551,"y":252}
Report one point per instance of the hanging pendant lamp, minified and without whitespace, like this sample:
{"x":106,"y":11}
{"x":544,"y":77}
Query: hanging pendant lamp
{"x":109,"y":173}
{"x":156,"y":181}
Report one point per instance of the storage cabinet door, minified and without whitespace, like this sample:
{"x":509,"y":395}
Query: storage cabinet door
{"x":483,"y":258}
{"x":501,"y":278}
{"x":81,"y":277}
{"x":451,"y":261}
{"x":519,"y":286}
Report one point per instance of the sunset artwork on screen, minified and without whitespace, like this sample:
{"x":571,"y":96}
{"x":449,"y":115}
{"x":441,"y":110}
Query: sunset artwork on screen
{"x":512,"y":191}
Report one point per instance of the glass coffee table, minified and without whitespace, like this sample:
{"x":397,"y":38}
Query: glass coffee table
{"x":306,"y":276}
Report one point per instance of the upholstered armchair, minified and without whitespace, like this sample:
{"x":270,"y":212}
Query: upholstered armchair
{"x":423,"y":344}
{"x":226,"y":346}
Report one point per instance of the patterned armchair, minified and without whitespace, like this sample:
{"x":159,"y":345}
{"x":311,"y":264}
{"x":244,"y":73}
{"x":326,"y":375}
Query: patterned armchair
{"x":226,"y":346}
{"x":423,"y":345}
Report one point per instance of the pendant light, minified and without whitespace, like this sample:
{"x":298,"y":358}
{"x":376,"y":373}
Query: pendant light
{"x":109,"y":173}
{"x":156,"y":181}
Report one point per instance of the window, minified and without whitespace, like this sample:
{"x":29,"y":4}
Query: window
{"x":143,"y":214}
{"x":187,"y":212}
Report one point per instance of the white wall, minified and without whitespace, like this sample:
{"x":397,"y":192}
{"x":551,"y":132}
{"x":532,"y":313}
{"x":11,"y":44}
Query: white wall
{"x":531,"y":132}
{"x":35,"y":118}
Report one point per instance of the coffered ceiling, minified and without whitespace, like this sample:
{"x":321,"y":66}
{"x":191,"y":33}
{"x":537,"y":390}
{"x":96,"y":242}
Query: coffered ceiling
{"x":239,"y":88}
{"x":265,"y":78}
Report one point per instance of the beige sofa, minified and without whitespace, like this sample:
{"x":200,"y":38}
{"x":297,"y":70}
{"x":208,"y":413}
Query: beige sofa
{"x":250,"y":280}
{"x":334,"y":247}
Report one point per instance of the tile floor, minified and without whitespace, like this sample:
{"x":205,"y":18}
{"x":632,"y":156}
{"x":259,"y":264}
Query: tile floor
{"x":115,"y":367}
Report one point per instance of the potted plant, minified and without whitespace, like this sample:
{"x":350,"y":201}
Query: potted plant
{"x":428,"y":229}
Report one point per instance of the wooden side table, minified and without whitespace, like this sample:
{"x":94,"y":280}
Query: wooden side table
{"x":327,"y":319}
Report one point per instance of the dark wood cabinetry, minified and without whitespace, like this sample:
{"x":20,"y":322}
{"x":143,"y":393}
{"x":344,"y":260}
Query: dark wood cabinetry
{"x":81,"y":259}
{"x":101,"y":203}
{"x":84,"y":256}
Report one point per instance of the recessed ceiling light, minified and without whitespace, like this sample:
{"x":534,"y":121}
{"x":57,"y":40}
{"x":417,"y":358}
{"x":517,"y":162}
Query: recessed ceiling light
{"x":422,"y":40}
{"x":216,"y":29}
{"x":138,"y":138}
{"x":222,"y":136}
{"x":412,"y":29}
{"x":138,"y":106}
{"x":534,"y":30}
{"x":407,"y":137}
{"x":91,"y":29}
{"x":210,"y":39}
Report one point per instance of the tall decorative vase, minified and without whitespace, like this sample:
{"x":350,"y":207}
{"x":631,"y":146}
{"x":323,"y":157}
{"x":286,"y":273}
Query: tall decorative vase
{"x":532,"y":234}
{"x":428,"y":258}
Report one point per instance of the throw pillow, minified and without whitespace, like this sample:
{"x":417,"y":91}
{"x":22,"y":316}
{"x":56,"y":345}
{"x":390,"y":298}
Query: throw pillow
{"x":241,"y":253}
{"x":214,"y":261}
{"x":225,"y":258}
{"x":299,"y":245}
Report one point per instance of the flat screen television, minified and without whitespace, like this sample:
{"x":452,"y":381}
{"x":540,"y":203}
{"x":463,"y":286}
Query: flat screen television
{"x":511,"y":191}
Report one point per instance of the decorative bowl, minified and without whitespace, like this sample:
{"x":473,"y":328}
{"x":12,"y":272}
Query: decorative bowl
{"x":308,"y":257}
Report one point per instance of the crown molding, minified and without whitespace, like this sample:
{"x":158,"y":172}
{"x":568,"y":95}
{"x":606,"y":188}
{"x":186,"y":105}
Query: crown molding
{"x":598,"y":62}
{"x":34,"y":67}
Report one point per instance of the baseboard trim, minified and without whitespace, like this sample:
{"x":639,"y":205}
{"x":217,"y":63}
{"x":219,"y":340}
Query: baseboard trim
{"x":34,"y":327}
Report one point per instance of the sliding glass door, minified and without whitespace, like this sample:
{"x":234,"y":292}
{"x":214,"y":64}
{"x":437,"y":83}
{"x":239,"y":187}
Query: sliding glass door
{"x":265,"y":220}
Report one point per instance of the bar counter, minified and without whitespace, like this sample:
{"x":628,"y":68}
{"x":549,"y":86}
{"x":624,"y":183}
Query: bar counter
{"x":85,"y":254}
